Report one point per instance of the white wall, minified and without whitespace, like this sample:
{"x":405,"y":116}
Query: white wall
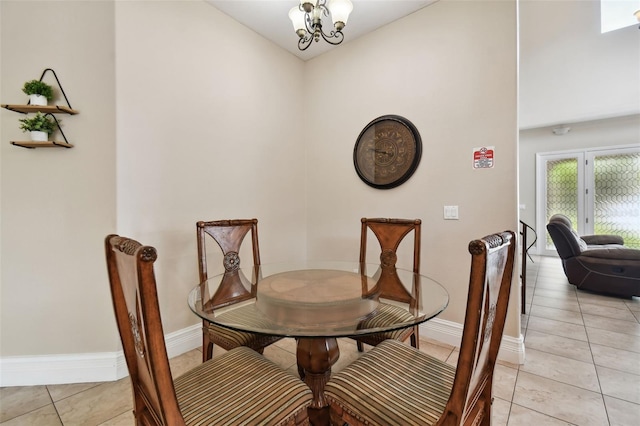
{"x":58,"y":204}
{"x":198,"y":135}
{"x":456,"y":82}
{"x":209,"y":121}
{"x":571,"y":72}
{"x":206,"y":131}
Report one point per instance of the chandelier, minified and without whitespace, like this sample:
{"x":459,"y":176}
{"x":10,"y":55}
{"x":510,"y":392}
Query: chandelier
{"x":307,"y":20}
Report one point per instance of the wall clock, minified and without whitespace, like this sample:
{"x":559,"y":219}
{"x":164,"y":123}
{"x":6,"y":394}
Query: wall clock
{"x":387,"y":152}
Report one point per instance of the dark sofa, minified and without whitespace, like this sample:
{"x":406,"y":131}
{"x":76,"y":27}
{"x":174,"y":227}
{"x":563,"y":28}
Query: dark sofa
{"x":598,"y":263}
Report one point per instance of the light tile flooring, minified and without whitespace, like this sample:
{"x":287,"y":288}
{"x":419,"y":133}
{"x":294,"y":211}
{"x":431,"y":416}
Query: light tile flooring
{"x":582,"y":367}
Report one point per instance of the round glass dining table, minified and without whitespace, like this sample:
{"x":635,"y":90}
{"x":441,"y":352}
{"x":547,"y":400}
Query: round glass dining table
{"x":316,"y":302}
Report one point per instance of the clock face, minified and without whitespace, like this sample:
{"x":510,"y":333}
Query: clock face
{"x":387,"y":152}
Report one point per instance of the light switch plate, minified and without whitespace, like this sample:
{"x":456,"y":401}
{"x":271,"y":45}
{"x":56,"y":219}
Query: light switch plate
{"x":451,"y":212}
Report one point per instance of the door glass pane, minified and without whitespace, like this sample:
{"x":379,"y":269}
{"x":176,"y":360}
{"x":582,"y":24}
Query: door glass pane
{"x":617,"y":196}
{"x":562,"y":191}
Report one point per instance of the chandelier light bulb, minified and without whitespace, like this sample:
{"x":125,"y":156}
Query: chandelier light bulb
{"x":340,"y":10}
{"x":297,"y":19}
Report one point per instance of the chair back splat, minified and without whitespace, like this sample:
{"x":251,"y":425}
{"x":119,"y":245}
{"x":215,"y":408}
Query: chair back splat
{"x":235,"y":286}
{"x":394,"y":384}
{"x":229,"y":235}
{"x":390,"y":233}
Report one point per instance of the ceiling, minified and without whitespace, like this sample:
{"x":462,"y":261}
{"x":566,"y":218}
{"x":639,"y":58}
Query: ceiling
{"x":270,"y":19}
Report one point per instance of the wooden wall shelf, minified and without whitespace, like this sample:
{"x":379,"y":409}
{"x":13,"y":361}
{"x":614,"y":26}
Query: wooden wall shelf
{"x":45,"y":144}
{"x":46,"y":110}
{"x":52,"y":109}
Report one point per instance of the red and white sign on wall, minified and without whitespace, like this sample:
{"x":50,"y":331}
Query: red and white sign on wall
{"x":483,"y":157}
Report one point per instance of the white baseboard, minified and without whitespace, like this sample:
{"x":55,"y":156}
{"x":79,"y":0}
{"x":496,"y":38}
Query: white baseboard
{"x":58,"y":369}
{"x":109,"y":366}
{"x":184,"y":340}
{"x":83,"y":368}
{"x":511,"y":348}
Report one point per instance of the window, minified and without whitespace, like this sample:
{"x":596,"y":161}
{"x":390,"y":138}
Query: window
{"x":599,"y":190}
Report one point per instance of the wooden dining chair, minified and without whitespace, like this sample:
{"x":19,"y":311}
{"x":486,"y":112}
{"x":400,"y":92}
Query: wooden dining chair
{"x":238,"y":387}
{"x":390,"y":233}
{"x":394,"y":384}
{"x":229,"y":235}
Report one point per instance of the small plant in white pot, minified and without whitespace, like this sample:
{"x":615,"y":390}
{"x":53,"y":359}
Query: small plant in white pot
{"x":39,"y":92}
{"x":39,"y":126}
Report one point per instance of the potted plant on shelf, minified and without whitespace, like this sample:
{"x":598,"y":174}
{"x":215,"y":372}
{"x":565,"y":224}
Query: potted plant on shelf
{"x":39,"y":126}
{"x":39,"y":92}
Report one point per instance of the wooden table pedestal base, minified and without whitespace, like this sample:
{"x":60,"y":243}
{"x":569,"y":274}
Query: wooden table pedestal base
{"x":315,"y":356}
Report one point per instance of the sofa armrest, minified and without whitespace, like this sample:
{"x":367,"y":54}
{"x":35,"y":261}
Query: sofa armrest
{"x":613,"y":253}
{"x":593,"y":240}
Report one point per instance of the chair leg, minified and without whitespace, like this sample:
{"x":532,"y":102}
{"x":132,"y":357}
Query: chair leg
{"x":415,"y":338}
{"x":300,"y":369}
{"x":207,"y":351}
{"x":207,"y":345}
{"x":360,"y":346}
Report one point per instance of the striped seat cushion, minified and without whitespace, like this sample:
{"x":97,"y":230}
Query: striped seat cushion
{"x":393,"y":384}
{"x":240,"y":387}
{"x":230,"y":339}
{"x":387,"y":314}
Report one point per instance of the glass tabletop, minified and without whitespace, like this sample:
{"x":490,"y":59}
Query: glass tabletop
{"x":318,"y":299}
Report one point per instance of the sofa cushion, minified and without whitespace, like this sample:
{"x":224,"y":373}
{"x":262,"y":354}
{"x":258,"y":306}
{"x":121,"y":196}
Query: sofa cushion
{"x":615,"y":252}
{"x":606,"y":246}
{"x":562,"y":219}
{"x":583,"y":245}
{"x":566,"y":242}
{"x":577,"y":242}
{"x":604,"y":239}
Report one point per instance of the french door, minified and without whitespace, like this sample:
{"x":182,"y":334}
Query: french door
{"x":599,"y":190}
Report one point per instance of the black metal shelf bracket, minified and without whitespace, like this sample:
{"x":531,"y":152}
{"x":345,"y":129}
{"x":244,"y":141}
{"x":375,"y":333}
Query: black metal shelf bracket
{"x":59,"y":85}
{"x":59,"y":128}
